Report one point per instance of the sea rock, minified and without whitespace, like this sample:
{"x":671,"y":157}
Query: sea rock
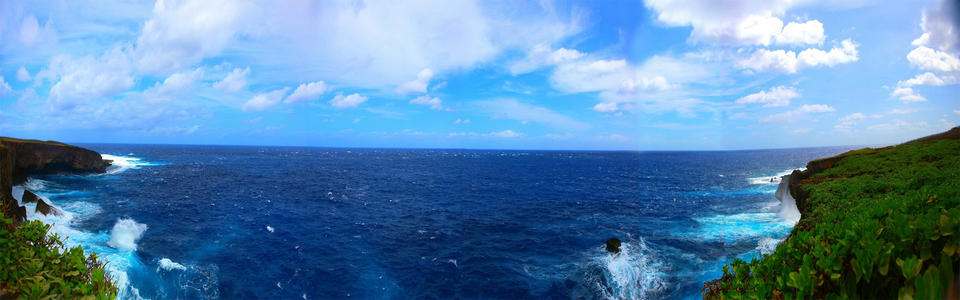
{"x":29,"y":197}
{"x":20,"y":214}
{"x":47,"y":209}
{"x":613,"y":245}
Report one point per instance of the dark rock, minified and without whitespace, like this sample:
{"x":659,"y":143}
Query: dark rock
{"x":46,"y":209}
{"x":21,"y":158}
{"x":613,"y":245}
{"x":29,"y":197}
{"x":20,"y":214}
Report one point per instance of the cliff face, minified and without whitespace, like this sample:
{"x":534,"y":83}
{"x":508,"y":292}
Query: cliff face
{"x":21,"y":158}
{"x":800,"y":178}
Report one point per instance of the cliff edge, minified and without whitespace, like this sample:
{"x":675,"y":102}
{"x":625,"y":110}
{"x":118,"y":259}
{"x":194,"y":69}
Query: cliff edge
{"x":20,"y":158}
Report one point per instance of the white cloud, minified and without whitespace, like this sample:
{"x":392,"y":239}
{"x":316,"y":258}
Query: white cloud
{"x":778,"y":96}
{"x":355,"y":121}
{"x":307,"y":92}
{"x":23,"y":75}
{"x":182,"y":33}
{"x":426,"y":100}
{"x":82,"y":79}
{"x":929,"y":79}
{"x":907,"y":95}
{"x":540,"y":56}
{"x":790,"y":116}
{"x":378,"y":44}
{"x":956,"y":111}
{"x":902,"y":111}
{"x":801,"y":130}
{"x":933,"y":60}
{"x":876,"y":116}
{"x":459,"y":121}
{"x":515,"y":110}
{"x":941,"y":27}
{"x":586,"y":76}
{"x":32,"y":34}
{"x":234,"y":82}
{"x":606,"y":107}
{"x":4,"y":87}
{"x":504,"y":134}
{"x":737,"y":23}
{"x":418,"y":86}
{"x":889,"y":127}
{"x":764,"y":60}
{"x":646,"y":85}
{"x":351,"y":101}
{"x":850,"y":121}
{"x":794,"y":33}
{"x":265,"y":100}
{"x":178,"y":84}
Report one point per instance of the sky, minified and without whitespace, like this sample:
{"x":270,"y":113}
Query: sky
{"x":553,"y":75}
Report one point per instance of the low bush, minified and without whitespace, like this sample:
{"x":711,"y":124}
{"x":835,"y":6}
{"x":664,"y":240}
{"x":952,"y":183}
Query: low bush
{"x":881,"y":224}
{"x":34,"y":265}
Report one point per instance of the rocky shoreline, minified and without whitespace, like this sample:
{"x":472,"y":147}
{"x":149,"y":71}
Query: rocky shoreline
{"x":21,"y":158}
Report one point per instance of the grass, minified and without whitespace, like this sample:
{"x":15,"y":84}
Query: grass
{"x":880,"y":223}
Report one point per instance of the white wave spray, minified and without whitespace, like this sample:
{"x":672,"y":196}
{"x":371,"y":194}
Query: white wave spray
{"x":125,"y":234}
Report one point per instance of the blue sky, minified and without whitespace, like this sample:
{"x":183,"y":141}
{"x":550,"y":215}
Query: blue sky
{"x":597,"y":75}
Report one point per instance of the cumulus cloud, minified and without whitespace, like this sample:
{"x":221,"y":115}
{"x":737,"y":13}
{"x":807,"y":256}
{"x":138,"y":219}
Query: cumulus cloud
{"x":586,"y":76}
{"x":32,"y":34}
{"x":782,"y":61}
{"x":794,"y":33}
{"x":182,"y":33}
{"x":929,"y":78}
{"x":933,"y":60}
{"x":418,"y":86}
{"x":941,"y":27}
{"x":23,"y":75}
{"x":850,"y":121}
{"x":792,"y":115}
{"x":264,"y":100}
{"x":351,"y":101}
{"x":889,"y":127}
{"x":907,"y":94}
{"x":426,"y":100}
{"x":307,"y":92}
{"x":777,"y":96}
{"x":178,"y":84}
{"x":78,"y":80}
{"x":459,"y":121}
{"x":540,"y":56}
{"x":515,"y":110}
{"x":736,"y":23}
{"x":234,"y":82}
{"x":606,"y":107}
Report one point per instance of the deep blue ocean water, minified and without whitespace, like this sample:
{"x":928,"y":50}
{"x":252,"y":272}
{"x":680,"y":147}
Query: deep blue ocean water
{"x":293,"y":223}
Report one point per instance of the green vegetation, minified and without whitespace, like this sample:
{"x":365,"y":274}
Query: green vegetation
{"x":32,"y":266}
{"x":882,"y":223}
{"x":2,"y":139}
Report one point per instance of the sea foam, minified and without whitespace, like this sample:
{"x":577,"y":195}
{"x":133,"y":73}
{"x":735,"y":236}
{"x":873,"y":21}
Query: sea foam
{"x":168,"y":265}
{"x":125,"y":234}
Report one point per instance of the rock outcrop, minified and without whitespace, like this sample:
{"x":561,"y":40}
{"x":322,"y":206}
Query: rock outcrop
{"x":613,"y":245}
{"x":47,"y":209}
{"x":21,"y":158}
{"x":29,"y":197}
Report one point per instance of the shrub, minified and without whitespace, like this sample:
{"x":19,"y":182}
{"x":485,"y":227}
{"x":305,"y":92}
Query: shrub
{"x":32,"y":266}
{"x":881,"y":225}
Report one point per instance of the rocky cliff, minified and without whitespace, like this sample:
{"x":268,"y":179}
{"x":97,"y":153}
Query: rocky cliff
{"x":800,"y":178}
{"x":21,"y":158}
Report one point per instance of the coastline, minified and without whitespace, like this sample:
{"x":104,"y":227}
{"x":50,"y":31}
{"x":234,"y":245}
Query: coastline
{"x":829,"y":253}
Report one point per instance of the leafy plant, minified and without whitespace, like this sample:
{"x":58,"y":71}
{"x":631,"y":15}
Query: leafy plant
{"x":882,"y":223}
{"x":32,"y":266}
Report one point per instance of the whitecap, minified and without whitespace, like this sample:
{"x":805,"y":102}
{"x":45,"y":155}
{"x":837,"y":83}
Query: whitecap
{"x":169,"y":265}
{"x":123,"y":163}
{"x":270,"y":229}
{"x":125,"y":234}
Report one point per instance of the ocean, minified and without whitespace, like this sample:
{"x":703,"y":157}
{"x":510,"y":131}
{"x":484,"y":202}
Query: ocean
{"x":232,"y":222}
